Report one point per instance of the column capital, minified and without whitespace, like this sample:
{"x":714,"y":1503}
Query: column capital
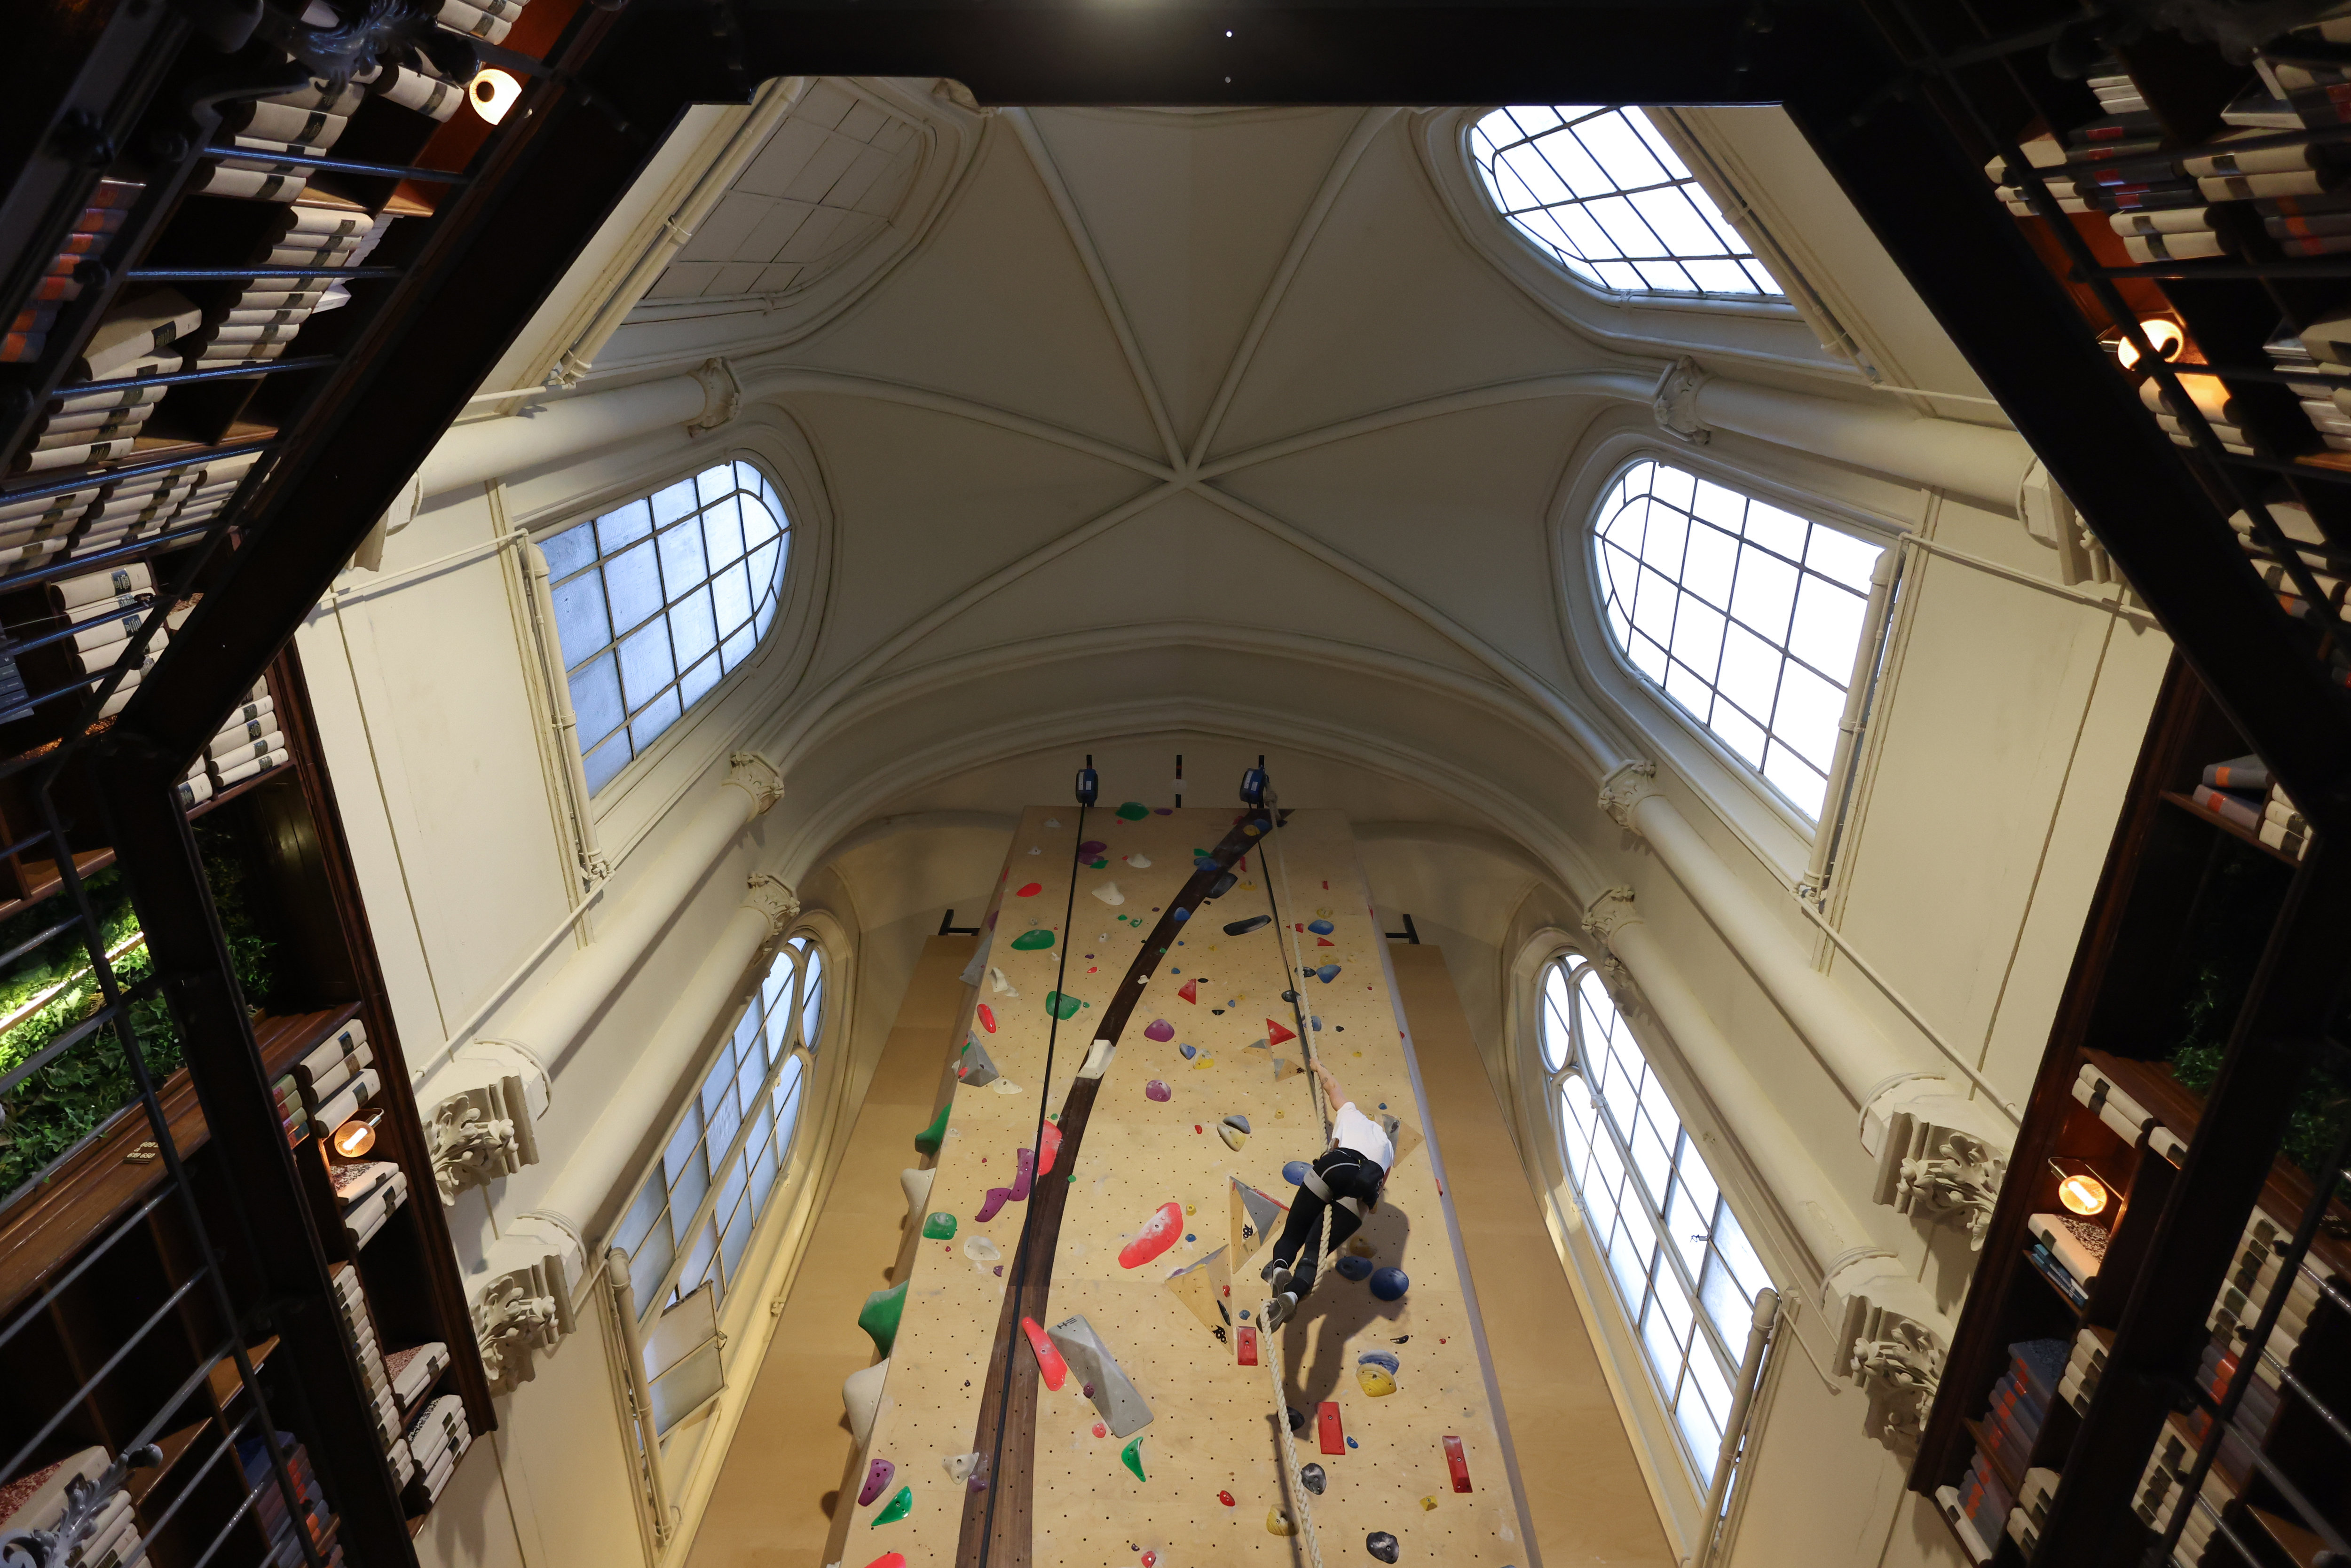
{"x":756,"y":777}
{"x":1626,"y":787}
{"x":776,"y":902}
{"x":1608,"y":913}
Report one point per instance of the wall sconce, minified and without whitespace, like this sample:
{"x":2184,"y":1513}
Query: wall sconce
{"x":356,"y":1136}
{"x":2078,"y":1190}
{"x":2163,"y":335}
{"x":491,"y":92}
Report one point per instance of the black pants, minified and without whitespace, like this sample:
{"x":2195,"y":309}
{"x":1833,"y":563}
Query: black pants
{"x":1352,"y":1182}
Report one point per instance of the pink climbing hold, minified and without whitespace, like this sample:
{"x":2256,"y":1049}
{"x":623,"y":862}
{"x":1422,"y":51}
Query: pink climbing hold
{"x":1190,"y":992}
{"x":998,"y":1197}
{"x":1158,"y":1234}
{"x":1048,"y":1358}
{"x":1053,"y":1148}
{"x":889,"y":1560}
{"x":1156,"y":1090}
{"x":987,"y":1018}
{"x":1159,"y":1029}
{"x":877,"y":1480}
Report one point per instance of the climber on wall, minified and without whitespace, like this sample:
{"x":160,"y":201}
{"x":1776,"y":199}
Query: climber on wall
{"x":1346,"y":1180}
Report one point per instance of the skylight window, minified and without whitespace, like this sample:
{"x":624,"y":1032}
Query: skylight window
{"x":1600,"y":190}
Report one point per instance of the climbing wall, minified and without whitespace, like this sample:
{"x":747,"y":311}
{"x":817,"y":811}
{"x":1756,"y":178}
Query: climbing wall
{"x":1384,"y":1386}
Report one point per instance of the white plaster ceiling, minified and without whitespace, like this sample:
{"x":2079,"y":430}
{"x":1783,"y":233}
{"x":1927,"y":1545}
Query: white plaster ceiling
{"x":1207,"y":429}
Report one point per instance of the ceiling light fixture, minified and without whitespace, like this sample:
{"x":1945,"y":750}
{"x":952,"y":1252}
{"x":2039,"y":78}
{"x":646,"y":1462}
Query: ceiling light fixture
{"x":356,"y":1136}
{"x":2163,"y":335}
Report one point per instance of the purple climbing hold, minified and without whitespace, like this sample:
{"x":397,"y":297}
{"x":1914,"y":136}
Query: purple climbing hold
{"x":1026,"y":1162}
{"x":1155,"y":1090}
{"x":877,"y":1481}
{"x":1092,"y":847}
{"x":1159,"y":1029}
{"x":998,"y":1197}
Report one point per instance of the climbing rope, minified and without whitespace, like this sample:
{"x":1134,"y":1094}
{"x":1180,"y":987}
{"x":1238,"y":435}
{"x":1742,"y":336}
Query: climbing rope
{"x":1304,"y":1517}
{"x":1270,"y":854}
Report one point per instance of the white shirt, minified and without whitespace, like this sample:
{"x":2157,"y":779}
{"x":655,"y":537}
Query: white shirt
{"x":1351,"y":1129}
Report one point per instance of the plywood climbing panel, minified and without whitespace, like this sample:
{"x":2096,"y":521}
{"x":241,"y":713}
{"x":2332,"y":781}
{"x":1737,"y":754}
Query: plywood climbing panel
{"x":1128,"y":1297}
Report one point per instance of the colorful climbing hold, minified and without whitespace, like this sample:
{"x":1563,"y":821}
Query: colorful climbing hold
{"x":1225,"y":1498}
{"x":980,"y":1250}
{"x":1327,"y":1428}
{"x":1294,"y":1173}
{"x":1190,"y":991}
{"x":1052,"y":1142}
{"x":1139,"y":862}
{"x":927,"y":1141}
{"x":1327,"y":972}
{"x":1100,"y":1430}
{"x":1203,"y":1061}
{"x":987,"y":1018}
{"x":1320,"y":927}
{"x":1378,"y":1358}
{"x":1377,"y":1381}
{"x":1159,"y":1029}
{"x":1155,"y":1090}
{"x":939,"y":1227}
{"x":1108,"y":894}
{"x":1243,"y":927}
{"x":1278,"y":1523}
{"x":1275,"y":1034}
{"x":1157,"y":1235}
{"x":877,"y":1481}
{"x":1458,"y":1461}
{"x":1035,"y":941}
{"x":998,"y":1197}
{"x":881,"y":1315}
{"x":889,"y":1560}
{"x":1092,"y":847}
{"x":1311,"y":1478}
{"x":1390,"y":1284}
{"x":1048,"y":1358}
{"x":1060,"y":1006}
{"x":1131,"y":1457}
{"x":1031,"y":891}
{"x":897,"y":1509}
{"x":1234,"y":1130}
{"x":1134,"y":811}
{"x":1382,"y":1545}
{"x":1187,"y":1051}
{"x":1355,"y":1268}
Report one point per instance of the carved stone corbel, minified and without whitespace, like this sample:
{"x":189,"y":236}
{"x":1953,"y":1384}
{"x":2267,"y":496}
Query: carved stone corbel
{"x":757,"y":777}
{"x":519,"y":1315}
{"x":1675,"y":402}
{"x":1898,"y":1360}
{"x":477,"y":1136}
{"x":1938,"y":1153}
{"x":1626,"y":788}
{"x":722,"y":396}
{"x":1958,"y":1176}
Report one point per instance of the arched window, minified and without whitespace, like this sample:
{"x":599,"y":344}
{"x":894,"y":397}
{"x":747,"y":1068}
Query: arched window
{"x":1750,"y":619}
{"x":1640,"y":1181}
{"x":659,"y":600}
{"x":1600,"y":190}
{"x":690,"y":1223}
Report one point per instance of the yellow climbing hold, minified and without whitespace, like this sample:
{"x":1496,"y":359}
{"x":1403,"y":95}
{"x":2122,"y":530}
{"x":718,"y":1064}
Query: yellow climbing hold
{"x":1278,"y":1523}
{"x":1375,"y":1381}
{"x":1428,"y":1505}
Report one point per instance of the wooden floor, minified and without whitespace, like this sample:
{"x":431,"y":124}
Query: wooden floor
{"x":773,"y":1506}
{"x":776,"y":1499}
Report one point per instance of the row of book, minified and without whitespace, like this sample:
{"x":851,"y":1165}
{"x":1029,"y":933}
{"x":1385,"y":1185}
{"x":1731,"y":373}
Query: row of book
{"x":249,"y":744}
{"x":2125,"y":1116}
{"x":283,"y":1526}
{"x":2258,"y":1274}
{"x":337,"y":1076}
{"x":2067,"y":1249}
{"x":397,"y":1382}
{"x":436,"y":1440}
{"x":101,"y":217}
{"x":2242,"y":791}
{"x":39,"y":1501}
{"x":1979,"y":1508}
{"x":369,"y":1192}
{"x":109,"y":513}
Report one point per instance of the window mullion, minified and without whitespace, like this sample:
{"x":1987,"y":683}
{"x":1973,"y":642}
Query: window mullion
{"x":702,"y":1210}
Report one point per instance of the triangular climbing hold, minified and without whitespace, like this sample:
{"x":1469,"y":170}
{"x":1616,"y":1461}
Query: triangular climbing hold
{"x":929,"y":1140}
{"x":1190,"y":991}
{"x":880,"y":1318}
{"x":974,"y":1067}
{"x":1203,"y":1287}
{"x":1275,"y":1034}
{"x":1255,"y":1216}
{"x":1122,"y":1405}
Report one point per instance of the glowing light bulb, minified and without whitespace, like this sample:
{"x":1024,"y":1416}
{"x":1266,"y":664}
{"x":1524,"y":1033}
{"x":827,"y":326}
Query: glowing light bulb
{"x":2163,"y":335}
{"x":356,"y":1136}
{"x":491,"y":92}
{"x":2081,"y":1194}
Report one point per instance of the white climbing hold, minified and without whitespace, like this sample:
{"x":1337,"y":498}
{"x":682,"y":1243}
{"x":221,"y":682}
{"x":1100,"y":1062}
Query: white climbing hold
{"x":860,"y":1396}
{"x":1002,"y":986}
{"x":1139,"y":862}
{"x":1004,"y":1086}
{"x":917,"y":1184}
{"x":1098,"y":1058}
{"x":1108,"y":894}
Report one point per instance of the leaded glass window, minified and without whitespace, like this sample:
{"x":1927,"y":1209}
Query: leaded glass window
{"x":1601,"y":191}
{"x":1750,"y":619}
{"x":1681,"y":1266}
{"x":658,"y":601}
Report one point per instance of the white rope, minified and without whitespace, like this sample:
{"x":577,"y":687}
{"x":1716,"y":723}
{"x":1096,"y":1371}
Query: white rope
{"x":1304,"y":1517}
{"x":1294,"y":984}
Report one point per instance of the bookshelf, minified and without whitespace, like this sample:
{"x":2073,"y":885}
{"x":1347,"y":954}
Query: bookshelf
{"x":2191,"y":955}
{"x":228,"y":1332}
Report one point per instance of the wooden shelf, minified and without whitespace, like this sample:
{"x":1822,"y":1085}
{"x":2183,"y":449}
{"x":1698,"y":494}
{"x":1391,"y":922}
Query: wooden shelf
{"x":2205,"y":813}
{"x":41,"y":875}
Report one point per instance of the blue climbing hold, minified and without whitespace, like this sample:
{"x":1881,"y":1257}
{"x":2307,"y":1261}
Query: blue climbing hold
{"x":1189,"y":1236}
{"x":1380,"y":1358}
{"x":1327,"y":972}
{"x":1189,"y":1051}
{"x":1183,"y":915}
{"x":1294,"y":1173}
{"x":1353,"y":1268}
{"x":1321,"y":928}
{"x":1390,"y":1284}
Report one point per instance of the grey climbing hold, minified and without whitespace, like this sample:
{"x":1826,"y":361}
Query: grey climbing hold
{"x":1382,"y":1545}
{"x":1113,"y":1394}
{"x":977,"y":1068}
{"x":1243,"y":927}
{"x":1311,"y":1477}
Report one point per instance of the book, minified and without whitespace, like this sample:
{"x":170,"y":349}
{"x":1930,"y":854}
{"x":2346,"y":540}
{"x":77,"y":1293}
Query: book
{"x":2211,"y":395}
{"x":2191,"y":245}
{"x":2266,"y":160}
{"x":414,"y":1370}
{"x":2174,"y":220}
{"x":346,"y":1051}
{"x":2076,"y":1244}
{"x":347,"y":1101}
{"x":410,"y":89}
{"x":2039,"y":1364}
{"x":133,"y":330}
{"x":2038,"y":1256}
{"x":252,"y":768}
{"x":2229,"y":807}
{"x":2316,"y":245}
{"x":368,"y":1216}
{"x":2247,"y":773}
{"x":213,"y":177}
{"x":284,"y":122}
{"x":2284,"y":183}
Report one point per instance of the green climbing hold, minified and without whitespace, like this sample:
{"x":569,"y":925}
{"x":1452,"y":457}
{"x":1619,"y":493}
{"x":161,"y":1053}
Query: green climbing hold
{"x":897,"y":1509}
{"x":1132,"y":1457}
{"x":929,"y":1140}
{"x":1134,"y":811}
{"x":880,"y":1318}
{"x":1033,"y":941}
{"x":1064,"y":1007}
{"x":939,"y":1228}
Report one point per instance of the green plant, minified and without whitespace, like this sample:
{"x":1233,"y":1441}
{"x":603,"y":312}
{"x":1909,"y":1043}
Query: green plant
{"x":70,"y":1097}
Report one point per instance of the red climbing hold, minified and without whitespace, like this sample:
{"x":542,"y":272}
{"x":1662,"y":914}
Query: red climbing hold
{"x":1190,"y":991}
{"x":889,"y":1560}
{"x":1100,"y":1430}
{"x":1456,"y":1461}
{"x":1275,"y":1034}
{"x":1052,"y":1146}
{"x":1158,"y":1234}
{"x":1225,"y":1498}
{"x":1324,"y":942}
{"x":1326,"y":1426}
{"x":987,"y":1018}
{"x":1048,"y":1358}
{"x":1248,"y":1338}
{"x":1031,"y":890}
